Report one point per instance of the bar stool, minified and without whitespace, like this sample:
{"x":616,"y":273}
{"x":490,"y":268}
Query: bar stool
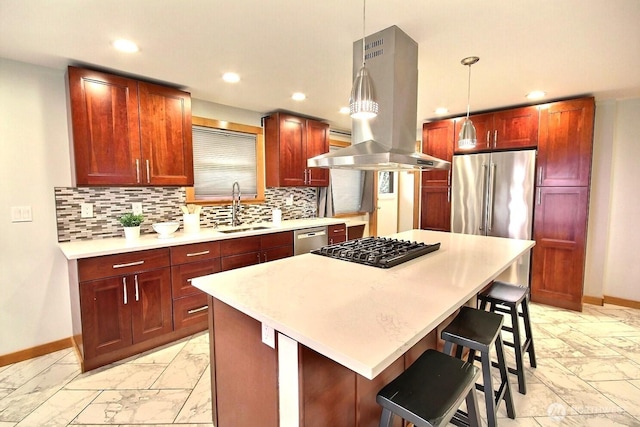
{"x":430,"y":391}
{"x":505,"y":298}
{"x":478,"y":331}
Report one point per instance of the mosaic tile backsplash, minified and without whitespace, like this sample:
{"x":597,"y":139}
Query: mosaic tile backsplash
{"x":163,"y":204}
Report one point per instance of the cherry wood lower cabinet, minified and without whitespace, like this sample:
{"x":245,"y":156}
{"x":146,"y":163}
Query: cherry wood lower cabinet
{"x":435,"y":208}
{"x":560,"y":227}
{"x":245,"y":251}
{"x":337,"y":233}
{"x":244,"y":378}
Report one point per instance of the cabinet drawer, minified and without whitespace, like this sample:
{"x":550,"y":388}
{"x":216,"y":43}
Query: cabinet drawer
{"x":194,"y":252}
{"x":181,"y":276}
{"x":240,"y":245}
{"x":337,"y":230}
{"x":277,"y":239}
{"x":122,"y":264}
{"x":191,"y":310}
{"x":273,"y":254}
{"x":240,"y":260}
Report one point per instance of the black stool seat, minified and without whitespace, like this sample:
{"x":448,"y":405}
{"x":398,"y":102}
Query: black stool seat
{"x":479,"y":330}
{"x":430,"y":391}
{"x":513,"y":300}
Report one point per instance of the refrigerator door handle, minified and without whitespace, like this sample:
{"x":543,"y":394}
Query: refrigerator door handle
{"x":483,"y":211}
{"x":490,"y":193}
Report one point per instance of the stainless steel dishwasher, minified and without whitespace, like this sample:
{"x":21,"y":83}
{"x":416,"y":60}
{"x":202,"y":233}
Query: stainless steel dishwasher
{"x":307,"y":239}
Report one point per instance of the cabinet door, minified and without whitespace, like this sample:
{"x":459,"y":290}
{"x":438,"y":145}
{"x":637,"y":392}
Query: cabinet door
{"x":150,"y":297}
{"x":165,"y":127}
{"x":273,"y":254}
{"x":271,"y":240}
{"x":240,"y":260}
{"x":106,"y":315}
{"x":484,"y":131}
{"x":437,"y":141}
{"x":565,"y":143}
{"x":515,"y":128}
{"x":560,"y":228}
{"x":317,"y":143}
{"x":435,"y":208}
{"x":293,"y":160}
{"x":337,"y":233}
{"x":105,"y":125}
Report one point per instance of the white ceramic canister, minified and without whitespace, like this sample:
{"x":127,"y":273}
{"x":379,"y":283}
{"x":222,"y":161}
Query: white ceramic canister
{"x":191,"y":223}
{"x":276,"y":217}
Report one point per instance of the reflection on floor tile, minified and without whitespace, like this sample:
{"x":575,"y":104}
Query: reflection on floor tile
{"x":588,"y":374}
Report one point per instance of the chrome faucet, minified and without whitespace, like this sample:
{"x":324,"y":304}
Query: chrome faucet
{"x":235,"y":204}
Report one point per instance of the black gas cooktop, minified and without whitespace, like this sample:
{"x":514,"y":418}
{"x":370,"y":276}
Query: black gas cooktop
{"x":379,"y":252}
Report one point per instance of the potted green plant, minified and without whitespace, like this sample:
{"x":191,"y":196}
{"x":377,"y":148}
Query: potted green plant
{"x":131,"y":223}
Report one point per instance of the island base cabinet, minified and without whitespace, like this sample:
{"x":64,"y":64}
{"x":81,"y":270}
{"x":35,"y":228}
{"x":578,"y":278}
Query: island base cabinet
{"x":244,"y":378}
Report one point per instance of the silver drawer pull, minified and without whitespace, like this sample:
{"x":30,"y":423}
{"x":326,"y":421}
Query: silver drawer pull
{"x":129,"y":264}
{"x":197,"y":310}
{"x":198,"y":253}
{"x":189,"y":280}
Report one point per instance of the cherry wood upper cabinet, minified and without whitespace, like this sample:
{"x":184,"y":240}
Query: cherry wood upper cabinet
{"x":289,"y":142}
{"x":165,"y":129}
{"x":437,"y":141}
{"x":127,"y":132}
{"x":501,"y":130}
{"x":566,"y":143}
{"x":105,"y":127}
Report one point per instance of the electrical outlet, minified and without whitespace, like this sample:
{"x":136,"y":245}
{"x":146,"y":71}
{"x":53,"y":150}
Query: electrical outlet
{"x":136,"y":207}
{"x":289,"y":200}
{"x":86,"y":210}
{"x":268,"y":336}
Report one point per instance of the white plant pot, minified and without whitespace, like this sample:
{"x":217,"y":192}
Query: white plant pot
{"x":132,"y":233}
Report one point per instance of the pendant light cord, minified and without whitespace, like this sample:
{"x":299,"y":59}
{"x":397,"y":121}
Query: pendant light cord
{"x":469,"y":91}
{"x":364,"y":10}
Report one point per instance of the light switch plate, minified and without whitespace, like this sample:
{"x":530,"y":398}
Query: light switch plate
{"x":21,"y":214}
{"x":268,"y":336}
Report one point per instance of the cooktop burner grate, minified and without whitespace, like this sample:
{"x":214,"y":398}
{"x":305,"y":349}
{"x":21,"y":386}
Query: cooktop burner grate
{"x":382,"y":252}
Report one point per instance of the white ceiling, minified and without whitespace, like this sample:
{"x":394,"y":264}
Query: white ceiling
{"x":565,"y":47}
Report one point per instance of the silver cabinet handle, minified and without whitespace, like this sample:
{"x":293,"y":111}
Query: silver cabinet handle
{"x":449,"y":177}
{"x":135,"y":280}
{"x":128,"y":264}
{"x":189,"y":280}
{"x":259,"y":260}
{"x":148,"y":173}
{"x":449,"y":195}
{"x":124,"y":287}
{"x":540,"y":170}
{"x":495,"y":138}
{"x":265,"y":257}
{"x":198,"y":253}
{"x":197,"y":310}
{"x":309,"y":182}
{"x":305,"y":176}
{"x":539,"y":197}
{"x":488,"y":138}
{"x":138,"y":170}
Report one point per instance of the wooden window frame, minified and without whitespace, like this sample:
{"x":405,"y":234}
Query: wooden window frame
{"x":260,"y":162}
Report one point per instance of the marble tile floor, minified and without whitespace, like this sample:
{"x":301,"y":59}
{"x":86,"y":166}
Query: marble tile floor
{"x":588,"y":374}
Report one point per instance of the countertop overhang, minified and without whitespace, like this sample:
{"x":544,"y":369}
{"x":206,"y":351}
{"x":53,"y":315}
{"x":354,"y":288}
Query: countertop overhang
{"x":365,"y":317}
{"x":116,"y":245}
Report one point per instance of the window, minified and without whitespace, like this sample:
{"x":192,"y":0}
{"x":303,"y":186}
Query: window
{"x":347,"y":186}
{"x":224,"y":153}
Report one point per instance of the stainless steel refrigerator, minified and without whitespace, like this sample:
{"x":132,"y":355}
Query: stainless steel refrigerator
{"x":493,"y":195}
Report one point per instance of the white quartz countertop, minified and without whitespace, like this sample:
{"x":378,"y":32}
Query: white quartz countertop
{"x":97,"y":247}
{"x":360,"y":316}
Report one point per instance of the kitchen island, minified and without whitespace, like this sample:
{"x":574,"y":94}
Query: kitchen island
{"x":339,"y":330}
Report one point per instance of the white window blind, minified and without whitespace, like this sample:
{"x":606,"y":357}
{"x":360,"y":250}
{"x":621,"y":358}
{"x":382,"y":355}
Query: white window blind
{"x":221,"y":157}
{"x":346,"y":186}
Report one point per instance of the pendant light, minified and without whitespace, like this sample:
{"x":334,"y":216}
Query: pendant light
{"x":362,"y":104}
{"x":467,"y":137}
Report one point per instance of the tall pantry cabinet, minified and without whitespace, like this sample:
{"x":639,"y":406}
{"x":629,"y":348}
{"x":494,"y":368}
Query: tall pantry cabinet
{"x":562,"y":202}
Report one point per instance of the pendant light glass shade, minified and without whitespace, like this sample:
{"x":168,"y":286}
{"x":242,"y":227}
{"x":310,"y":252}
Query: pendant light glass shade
{"x":362,"y":103}
{"x":467,"y":137}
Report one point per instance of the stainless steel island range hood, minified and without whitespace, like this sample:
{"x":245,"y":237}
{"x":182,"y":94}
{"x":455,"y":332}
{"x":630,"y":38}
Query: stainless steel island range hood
{"x":388,"y":141}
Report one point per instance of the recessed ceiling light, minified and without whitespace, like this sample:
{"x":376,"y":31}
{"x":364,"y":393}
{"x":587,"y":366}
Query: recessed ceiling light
{"x":125,"y":46}
{"x":231,"y":77}
{"x":344,"y":110}
{"x":536,"y":94}
{"x":441,"y":110}
{"x":298,"y":96}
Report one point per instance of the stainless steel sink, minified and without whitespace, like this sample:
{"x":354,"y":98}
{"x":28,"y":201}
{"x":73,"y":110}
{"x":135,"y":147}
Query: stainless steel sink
{"x":238,"y":230}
